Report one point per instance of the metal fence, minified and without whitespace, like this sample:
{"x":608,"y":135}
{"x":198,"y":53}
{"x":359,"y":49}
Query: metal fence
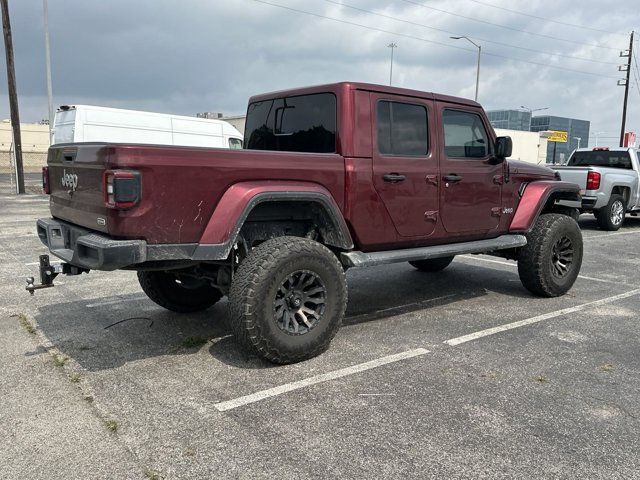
{"x":32,"y":163}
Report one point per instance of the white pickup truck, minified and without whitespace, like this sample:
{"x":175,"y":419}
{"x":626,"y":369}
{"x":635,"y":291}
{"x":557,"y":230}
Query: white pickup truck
{"x":609,"y":179}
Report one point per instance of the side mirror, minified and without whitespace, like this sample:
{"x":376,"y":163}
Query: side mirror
{"x":504,"y":147}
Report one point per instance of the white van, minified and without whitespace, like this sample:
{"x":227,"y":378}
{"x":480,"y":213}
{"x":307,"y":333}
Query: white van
{"x":87,"y":123}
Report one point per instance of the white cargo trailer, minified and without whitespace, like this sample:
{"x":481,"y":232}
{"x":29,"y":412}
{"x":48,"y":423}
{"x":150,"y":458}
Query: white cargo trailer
{"x":87,"y":123}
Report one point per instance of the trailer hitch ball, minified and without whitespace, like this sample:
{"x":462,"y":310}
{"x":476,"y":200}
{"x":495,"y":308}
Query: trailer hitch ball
{"x":31,"y":284}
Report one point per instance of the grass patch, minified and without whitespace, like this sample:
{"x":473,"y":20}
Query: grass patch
{"x":74,"y":377}
{"x":151,"y":474}
{"x":26,"y":323}
{"x":111,"y":425}
{"x":541,"y":379}
{"x":59,"y":360}
{"x":607,"y":367}
{"x":193,"y":342}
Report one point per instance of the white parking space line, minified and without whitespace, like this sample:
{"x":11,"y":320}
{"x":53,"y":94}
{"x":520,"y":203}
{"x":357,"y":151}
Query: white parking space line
{"x":113,"y":302}
{"x":538,"y":318}
{"x":604,"y":235}
{"x":325,"y":377}
{"x":515,"y":265}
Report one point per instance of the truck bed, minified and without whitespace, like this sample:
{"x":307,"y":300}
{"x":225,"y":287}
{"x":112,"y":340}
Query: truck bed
{"x":180,"y":186}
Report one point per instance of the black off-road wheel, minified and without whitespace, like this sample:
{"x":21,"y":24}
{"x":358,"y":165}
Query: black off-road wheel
{"x":287,"y":299}
{"x":178,"y":293}
{"x":550,"y":262}
{"x":432,"y":265}
{"x":612,"y":216}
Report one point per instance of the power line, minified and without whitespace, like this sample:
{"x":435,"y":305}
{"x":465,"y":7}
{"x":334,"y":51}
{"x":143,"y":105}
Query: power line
{"x":508,"y":27}
{"x":485,"y":40}
{"x":414,"y":37}
{"x":545,"y":19}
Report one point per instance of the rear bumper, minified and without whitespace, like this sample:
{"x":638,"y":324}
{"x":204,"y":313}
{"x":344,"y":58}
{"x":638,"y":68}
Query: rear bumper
{"x":95,"y":251}
{"x":87,"y":249}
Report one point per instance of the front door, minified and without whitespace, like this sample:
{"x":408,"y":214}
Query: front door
{"x":471,"y":181}
{"x":405,"y":168}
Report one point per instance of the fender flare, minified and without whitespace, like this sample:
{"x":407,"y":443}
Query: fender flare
{"x":535,"y":197}
{"x":240,"y":199}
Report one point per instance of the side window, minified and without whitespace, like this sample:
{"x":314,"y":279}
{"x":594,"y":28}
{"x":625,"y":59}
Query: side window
{"x":305,"y":123}
{"x":402,"y":129}
{"x":235,"y":144}
{"x":464,"y":135}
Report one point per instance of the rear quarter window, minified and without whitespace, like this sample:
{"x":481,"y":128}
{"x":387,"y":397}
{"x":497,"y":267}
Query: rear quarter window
{"x":305,"y":123}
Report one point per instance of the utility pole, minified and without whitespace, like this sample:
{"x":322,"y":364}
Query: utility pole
{"x":392,"y":46}
{"x":625,"y":83}
{"x":47,"y":52}
{"x":13,"y":94}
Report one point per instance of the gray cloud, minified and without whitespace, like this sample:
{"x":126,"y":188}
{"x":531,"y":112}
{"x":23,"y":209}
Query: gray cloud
{"x":195,"y":55}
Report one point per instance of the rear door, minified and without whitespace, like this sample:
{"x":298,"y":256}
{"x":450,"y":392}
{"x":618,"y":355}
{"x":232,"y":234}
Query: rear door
{"x":471,"y":182}
{"x":405,"y":168}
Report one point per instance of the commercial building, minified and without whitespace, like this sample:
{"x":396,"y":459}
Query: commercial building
{"x":510,"y":119}
{"x":577,"y":135}
{"x":35,"y":143}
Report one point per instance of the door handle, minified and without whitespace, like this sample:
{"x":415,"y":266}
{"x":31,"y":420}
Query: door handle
{"x":393,"y":177}
{"x":452,"y":178}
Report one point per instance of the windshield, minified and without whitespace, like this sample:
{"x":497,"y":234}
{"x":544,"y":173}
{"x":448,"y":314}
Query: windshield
{"x":600,"y":158}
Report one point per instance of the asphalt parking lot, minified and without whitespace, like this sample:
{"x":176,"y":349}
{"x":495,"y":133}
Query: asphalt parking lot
{"x":459,"y":374}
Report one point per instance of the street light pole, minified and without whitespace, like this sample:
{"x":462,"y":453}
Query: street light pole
{"x":392,"y":46}
{"x":597,"y":135}
{"x":579,"y":139}
{"x":478,"y":66}
{"x":47,"y":51}
{"x":531,"y":110}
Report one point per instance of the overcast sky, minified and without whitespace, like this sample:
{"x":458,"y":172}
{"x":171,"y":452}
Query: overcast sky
{"x":189,"y":56}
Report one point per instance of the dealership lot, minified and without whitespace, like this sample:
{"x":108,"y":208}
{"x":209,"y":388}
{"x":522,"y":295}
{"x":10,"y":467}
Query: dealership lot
{"x":451,"y":375}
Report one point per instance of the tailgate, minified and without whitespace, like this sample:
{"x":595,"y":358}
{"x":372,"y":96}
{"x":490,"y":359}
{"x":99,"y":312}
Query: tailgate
{"x":576,"y":175}
{"x":75,"y":179}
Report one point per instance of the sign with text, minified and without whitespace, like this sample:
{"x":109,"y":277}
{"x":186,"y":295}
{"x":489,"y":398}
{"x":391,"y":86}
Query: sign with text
{"x":558,"y":136}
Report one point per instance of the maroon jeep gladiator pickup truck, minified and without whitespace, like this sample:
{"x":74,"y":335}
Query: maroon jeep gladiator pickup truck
{"x":332,"y":177}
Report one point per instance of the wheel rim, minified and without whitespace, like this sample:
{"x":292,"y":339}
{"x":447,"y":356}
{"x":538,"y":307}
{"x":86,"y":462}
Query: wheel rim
{"x":562,"y":256}
{"x":299,"y":303}
{"x":617,"y":212}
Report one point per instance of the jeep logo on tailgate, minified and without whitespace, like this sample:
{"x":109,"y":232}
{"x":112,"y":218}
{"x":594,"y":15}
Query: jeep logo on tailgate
{"x":69,"y":180}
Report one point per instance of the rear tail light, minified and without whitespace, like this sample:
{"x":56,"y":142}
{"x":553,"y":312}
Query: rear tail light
{"x":122,"y":188}
{"x":46,"y":186}
{"x":593,"y":181}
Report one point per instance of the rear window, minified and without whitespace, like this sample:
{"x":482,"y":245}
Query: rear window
{"x":402,"y":129}
{"x":600,"y":158}
{"x":304,"y":123}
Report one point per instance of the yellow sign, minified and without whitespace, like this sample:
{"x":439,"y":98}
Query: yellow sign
{"x":558,"y":136}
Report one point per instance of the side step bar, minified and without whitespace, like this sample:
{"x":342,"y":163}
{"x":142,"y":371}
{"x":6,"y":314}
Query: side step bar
{"x":361,"y":259}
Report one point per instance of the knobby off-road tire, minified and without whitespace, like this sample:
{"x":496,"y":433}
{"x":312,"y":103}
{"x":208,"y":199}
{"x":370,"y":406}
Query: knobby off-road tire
{"x":550,"y":262}
{"x":287,"y":299}
{"x":167,"y":290}
{"x":432,"y":265}
{"x":612,"y":216}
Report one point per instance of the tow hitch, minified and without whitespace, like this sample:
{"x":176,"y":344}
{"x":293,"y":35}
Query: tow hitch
{"x":49,"y":272}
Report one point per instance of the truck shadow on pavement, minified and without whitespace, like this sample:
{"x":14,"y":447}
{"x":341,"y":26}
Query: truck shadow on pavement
{"x":134,"y":328}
